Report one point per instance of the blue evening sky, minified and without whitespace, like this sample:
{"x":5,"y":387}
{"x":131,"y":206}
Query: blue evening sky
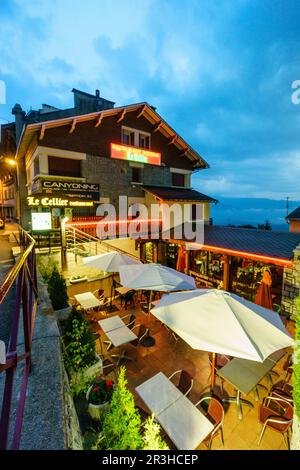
{"x":219,"y":71}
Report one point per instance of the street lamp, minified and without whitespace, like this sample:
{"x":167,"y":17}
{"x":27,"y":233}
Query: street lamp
{"x":63,"y":243}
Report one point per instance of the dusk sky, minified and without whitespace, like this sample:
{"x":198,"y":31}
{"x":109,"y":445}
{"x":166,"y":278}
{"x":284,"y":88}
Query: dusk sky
{"x":220,"y":72}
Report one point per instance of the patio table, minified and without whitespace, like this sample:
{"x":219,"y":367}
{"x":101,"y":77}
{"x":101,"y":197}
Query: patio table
{"x":123,"y":290}
{"x":88,"y":300}
{"x":186,"y":426}
{"x":245,"y":375}
{"x":109,"y":324}
{"x":118,"y":333}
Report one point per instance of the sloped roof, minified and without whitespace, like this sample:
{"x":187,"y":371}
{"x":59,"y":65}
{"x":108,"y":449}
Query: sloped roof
{"x":264,"y":243}
{"x":169,"y":193}
{"x":142,"y":108}
{"x":294,"y":215}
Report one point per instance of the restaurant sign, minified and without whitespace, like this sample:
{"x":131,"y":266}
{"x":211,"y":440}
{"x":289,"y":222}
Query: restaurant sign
{"x":135,"y":154}
{"x":71,"y":188}
{"x":57,"y":202}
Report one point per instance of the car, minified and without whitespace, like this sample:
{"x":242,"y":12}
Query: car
{"x":2,"y":223}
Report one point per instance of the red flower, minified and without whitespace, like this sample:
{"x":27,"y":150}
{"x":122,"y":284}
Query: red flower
{"x":95,"y":389}
{"x":109,"y":383}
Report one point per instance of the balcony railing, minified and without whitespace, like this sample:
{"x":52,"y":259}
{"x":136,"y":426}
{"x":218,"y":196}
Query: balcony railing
{"x":22,"y":281}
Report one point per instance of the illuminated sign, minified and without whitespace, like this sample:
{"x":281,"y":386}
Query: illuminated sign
{"x":134,"y":154}
{"x":41,"y":220}
{"x":71,"y":188}
{"x":56,"y":202}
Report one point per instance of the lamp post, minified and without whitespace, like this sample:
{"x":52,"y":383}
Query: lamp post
{"x":63,"y":243}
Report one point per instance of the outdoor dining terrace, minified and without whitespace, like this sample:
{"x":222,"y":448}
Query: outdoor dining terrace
{"x":167,"y":354}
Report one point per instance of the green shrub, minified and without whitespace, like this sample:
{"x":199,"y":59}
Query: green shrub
{"x":151,"y":436}
{"x":46,"y":265}
{"x":122,"y":423}
{"x":80,"y":342}
{"x":57,"y":289}
{"x":91,"y":440}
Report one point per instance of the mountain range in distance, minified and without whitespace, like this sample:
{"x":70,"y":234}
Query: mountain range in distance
{"x":252,"y":211}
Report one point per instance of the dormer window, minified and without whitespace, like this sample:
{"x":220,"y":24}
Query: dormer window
{"x":135,"y":137}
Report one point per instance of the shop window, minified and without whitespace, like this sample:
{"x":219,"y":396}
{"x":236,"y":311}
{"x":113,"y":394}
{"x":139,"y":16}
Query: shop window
{"x":178,"y":179}
{"x":137,"y":175}
{"x":64,"y":167}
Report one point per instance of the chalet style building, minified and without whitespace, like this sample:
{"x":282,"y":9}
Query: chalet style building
{"x":70,"y":161}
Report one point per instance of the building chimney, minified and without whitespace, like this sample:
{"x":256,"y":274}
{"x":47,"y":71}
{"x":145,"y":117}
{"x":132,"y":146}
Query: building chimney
{"x":19,"y":120}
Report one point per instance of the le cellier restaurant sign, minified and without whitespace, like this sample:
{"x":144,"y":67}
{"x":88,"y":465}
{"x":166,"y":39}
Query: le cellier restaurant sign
{"x":43,"y":201}
{"x":69,"y":189}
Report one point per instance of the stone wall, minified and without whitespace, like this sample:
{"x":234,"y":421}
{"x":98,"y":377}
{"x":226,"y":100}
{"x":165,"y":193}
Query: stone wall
{"x":291,"y":286}
{"x":115,"y":177}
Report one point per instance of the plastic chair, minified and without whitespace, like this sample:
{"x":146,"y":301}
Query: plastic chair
{"x":277,"y":414}
{"x":99,"y":293}
{"x":141,"y":333}
{"x":131,"y":320}
{"x":129,"y":299}
{"x":185,"y":383}
{"x":215,"y":413}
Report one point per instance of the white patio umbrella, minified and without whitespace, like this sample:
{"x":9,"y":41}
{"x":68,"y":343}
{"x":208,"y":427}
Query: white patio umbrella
{"x":110,"y":263}
{"x":219,"y":322}
{"x":155,"y":277}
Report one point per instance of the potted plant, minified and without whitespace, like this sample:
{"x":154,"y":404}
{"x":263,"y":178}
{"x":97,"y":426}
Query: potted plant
{"x":77,"y":278}
{"x":98,"y":397}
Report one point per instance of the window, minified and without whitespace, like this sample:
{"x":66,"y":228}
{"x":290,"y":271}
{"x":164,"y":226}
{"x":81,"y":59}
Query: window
{"x":36,"y":166}
{"x":144,"y":141}
{"x":135,"y":138}
{"x":178,"y":179}
{"x":64,"y":167}
{"x":127,"y":137}
{"x":136,"y":175}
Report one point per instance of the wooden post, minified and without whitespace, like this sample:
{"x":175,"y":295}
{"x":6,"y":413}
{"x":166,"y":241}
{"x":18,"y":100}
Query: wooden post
{"x":187,"y":261}
{"x":226,"y":272}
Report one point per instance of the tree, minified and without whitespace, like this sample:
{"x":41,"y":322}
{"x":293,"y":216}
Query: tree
{"x":122,"y":423}
{"x":151,"y":436}
{"x":57,"y":289}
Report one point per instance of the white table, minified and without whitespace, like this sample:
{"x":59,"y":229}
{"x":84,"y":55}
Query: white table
{"x":155,"y":401}
{"x":118,"y":333}
{"x":88,"y":300}
{"x":186,"y":426}
{"x":111,"y":323}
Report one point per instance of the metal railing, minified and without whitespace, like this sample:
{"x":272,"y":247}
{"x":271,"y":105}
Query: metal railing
{"x":23,"y":277}
{"x":82,"y":243}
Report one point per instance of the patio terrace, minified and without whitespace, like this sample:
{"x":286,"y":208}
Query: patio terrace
{"x":167,"y":356}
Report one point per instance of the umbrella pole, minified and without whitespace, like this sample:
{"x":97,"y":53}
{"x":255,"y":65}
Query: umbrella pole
{"x":111,"y":291}
{"x":150,"y":301}
{"x":212,"y":380}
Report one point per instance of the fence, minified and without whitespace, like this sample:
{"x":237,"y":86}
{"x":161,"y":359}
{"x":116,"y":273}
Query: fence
{"x":24,"y":278}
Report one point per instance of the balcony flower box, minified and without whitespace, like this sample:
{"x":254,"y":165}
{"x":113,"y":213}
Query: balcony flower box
{"x":77,"y":279}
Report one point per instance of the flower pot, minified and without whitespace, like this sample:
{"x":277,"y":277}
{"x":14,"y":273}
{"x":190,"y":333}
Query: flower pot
{"x":96,"y":412}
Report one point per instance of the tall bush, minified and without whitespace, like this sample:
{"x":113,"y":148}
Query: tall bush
{"x":151,"y":436}
{"x":80,"y":342}
{"x":46,"y":265}
{"x":57,"y":289}
{"x":121,"y":426}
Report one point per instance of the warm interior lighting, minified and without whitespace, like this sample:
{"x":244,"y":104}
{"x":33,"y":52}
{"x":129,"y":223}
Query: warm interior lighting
{"x":11,"y":162}
{"x":105,"y":222}
{"x":244,"y":254}
{"x":65,"y":219}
